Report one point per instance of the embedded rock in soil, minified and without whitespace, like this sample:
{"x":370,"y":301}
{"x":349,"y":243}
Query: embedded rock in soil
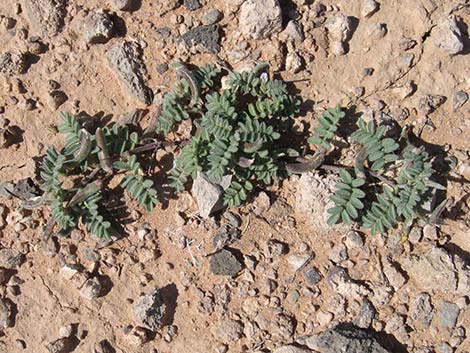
{"x":192,"y":5}
{"x":313,"y":276}
{"x":46,"y":16}
{"x":10,"y":258}
{"x":436,"y":271}
{"x":6,"y":313}
{"x":151,"y":310}
{"x":209,"y":195}
{"x":12,"y":63}
{"x":448,"y":37}
{"x":229,"y":330}
{"x":344,"y":338}
{"x":97,"y":27}
{"x":448,"y":314}
{"x":366,"y":314}
{"x":339,"y":281}
{"x":312,"y":200}
{"x":224,"y":263}
{"x":205,"y":39}
{"x":260,"y":18}
{"x":291,"y":349}
{"x":122,"y":5}
{"x":56,"y":99}
{"x":420,"y":311}
{"x":124,"y":60}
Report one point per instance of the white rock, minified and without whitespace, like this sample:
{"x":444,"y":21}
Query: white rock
{"x":293,"y":62}
{"x":260,"y":18}
{"x":339,"y":31}
{"x":299,"y":260}
{"x":448,"y":37}
{"x":209,"y":195}
{"x":369,"y":7}
{"x":290,"y":349}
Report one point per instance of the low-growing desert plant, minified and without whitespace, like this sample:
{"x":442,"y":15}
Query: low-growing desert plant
{"x":237,"y":128}
{"x":75,"y":177}
{"x":389,"y":183}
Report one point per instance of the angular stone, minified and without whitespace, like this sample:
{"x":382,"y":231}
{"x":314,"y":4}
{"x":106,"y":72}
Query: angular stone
{"x":448,"y":37}
{"x":340,"y":281}
{"x":97,"y":27}
{"x":291,"y":349}
{"x":313,"y":276}
{"x":124,"y":60}
{"x":344,"y":338}
{"x":151,"y":310}
{"x":448,"y":314}
{"x":366,"y":315}
{"x":298,"y":260}
{"x":209,"y":195}
{"x":260,"y":18}
{"x":91,"y":289}
{"x":205,"y":39}
{"x":421,"y":310}
{"x":229,"y":331}
{"x":13,"y":63}
{"x":224,"y":263}
{"x":46,"y":16}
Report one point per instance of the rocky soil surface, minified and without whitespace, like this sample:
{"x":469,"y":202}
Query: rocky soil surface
{"x":284,"y":281}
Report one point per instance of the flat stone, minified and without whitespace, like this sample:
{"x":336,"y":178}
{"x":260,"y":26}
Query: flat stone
{"x":448,"y":314}
{"x":344,"y":338}
{"x":340,"y":281}
{"x":434,"y":270}
{"x":229,"y":331}
{"x":47,"y":17}
{"x":124,"y":60}
{"x":298,"y":260}
{"x":313,"y":276}
{"x":205,"y":39}
{"x":151,"y":310}
{"x":291,"y":349}
{"x":260,"y":18}
{"x":224,"y":263}
{"x":212,"y":16}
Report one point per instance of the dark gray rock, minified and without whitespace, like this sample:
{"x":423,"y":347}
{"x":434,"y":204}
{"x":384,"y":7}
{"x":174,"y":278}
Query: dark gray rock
{"x":344,"y":338}
{"x":6,"y":313}
{"x":224,"y":263}
{"x":46,"y":16}
{"x":366,"y":315}
{"x":151,"y":310}
{"x":204,"y":38}
{"x":124,"y":60}
{"x":10,"y":258}
{"x":448,"y":314}
{"x":313,"y":276}
{"x":192,"y":5}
